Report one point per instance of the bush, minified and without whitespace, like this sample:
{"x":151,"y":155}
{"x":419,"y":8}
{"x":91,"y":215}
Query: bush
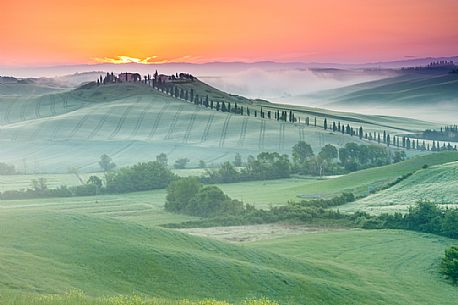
{"x":181,"y":163}
{"x":6,"y":169}
{"x":449,"y":265}
{"x":189,"y":196}
{"x":141,"y":177}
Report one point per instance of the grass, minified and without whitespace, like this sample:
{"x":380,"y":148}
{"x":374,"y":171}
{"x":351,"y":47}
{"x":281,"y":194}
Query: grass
{"x":50,"y":251}
{"x":401,"y":266}
{"x":21,"y":181}
{"x":75,"y":297}
{"x":437,"y":184}
{"x":131,"y":123}
{"x":262,"y":194}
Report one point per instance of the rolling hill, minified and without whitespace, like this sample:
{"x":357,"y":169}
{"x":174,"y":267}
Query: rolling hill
{"x":46,"y":252}
{"x":133,"y":122}
{"x":413,"y":89}
{"x":437,"y":184}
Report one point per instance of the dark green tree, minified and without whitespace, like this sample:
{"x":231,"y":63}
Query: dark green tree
{"x":106,"y":163}
{"x":302,"y":152}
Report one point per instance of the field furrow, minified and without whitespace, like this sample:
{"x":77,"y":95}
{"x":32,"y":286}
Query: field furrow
{"x":191,"y":122}
{"x":262,"y":133}
{"x":173,"y":123}
{"x":208,"y":126}
{"x":157,"y":120}
{"x":140,"y":119}
{"x":281,"y":137}
{"x":99,"y":126}
{"x":222,"y":138}
{"x":53,"y":105}
{"x":121,"y":121}
{"x":243,"y":129}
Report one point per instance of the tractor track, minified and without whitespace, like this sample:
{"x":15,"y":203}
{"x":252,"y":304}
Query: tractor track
{"x":140,"y":119}
{"x":243,"y":129}
{"x":207,"y":128}
{"x":187,"y":134}
{"x":99,"y":126}
{"x":222,"y":138}
{"x":262,"y":134}
{"x":281,"y":137}
{"x":123,"y":118}
{"x":157,"y":120}
{"x":173,"y":124}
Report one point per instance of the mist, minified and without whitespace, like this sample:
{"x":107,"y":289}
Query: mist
{"x":278,"y":84}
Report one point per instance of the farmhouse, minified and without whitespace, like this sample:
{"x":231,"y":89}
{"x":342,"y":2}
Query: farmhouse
{"x":129,"y":77}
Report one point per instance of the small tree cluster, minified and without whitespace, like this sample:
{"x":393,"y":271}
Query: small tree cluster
{"x":189,"y":196}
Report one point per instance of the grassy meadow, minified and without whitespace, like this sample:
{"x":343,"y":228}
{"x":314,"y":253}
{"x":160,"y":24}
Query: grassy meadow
{"x":52,"y":250}
{"x":437,"y":184}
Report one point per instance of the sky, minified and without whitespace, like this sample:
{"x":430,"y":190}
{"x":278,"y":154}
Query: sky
{"x":49,"y":32}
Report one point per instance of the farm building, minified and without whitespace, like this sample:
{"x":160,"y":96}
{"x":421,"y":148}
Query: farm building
{"x":129,"y":77}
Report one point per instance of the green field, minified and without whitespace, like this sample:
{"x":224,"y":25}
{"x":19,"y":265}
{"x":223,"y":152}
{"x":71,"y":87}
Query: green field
{"x":20,"y":182}
{"x":50,"y":250}
{"x":264,"y":194}
{"x":437,"y":184}
{"x":54,"y":132}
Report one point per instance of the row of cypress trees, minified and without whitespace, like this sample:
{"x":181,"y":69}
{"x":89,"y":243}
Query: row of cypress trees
{"x":288,"y":115}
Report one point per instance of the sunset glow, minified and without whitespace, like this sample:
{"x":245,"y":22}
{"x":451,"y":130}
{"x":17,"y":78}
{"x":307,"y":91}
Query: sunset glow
{"x":51,"y":32}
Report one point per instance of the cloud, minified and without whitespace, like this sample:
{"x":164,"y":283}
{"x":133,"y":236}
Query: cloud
{"x":151,"y":60}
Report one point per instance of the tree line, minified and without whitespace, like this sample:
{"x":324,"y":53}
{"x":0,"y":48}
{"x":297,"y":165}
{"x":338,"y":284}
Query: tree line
{"x":447,"y":133}
{"x":329,"y":161}
{"x":170,"y":85}
{"x":265,"y":166}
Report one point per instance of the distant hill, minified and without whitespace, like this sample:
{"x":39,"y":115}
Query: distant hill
{"x":412,"y":89}
{"x":213,"y":68}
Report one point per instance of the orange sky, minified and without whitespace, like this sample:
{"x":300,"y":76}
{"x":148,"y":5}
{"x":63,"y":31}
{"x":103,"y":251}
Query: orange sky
{"x":44,"y":32}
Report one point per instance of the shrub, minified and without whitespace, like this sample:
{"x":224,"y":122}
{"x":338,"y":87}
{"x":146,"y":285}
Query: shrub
{"x":189,"y":196}
{"x":140,"y":177}
{"x":449,"y":265}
